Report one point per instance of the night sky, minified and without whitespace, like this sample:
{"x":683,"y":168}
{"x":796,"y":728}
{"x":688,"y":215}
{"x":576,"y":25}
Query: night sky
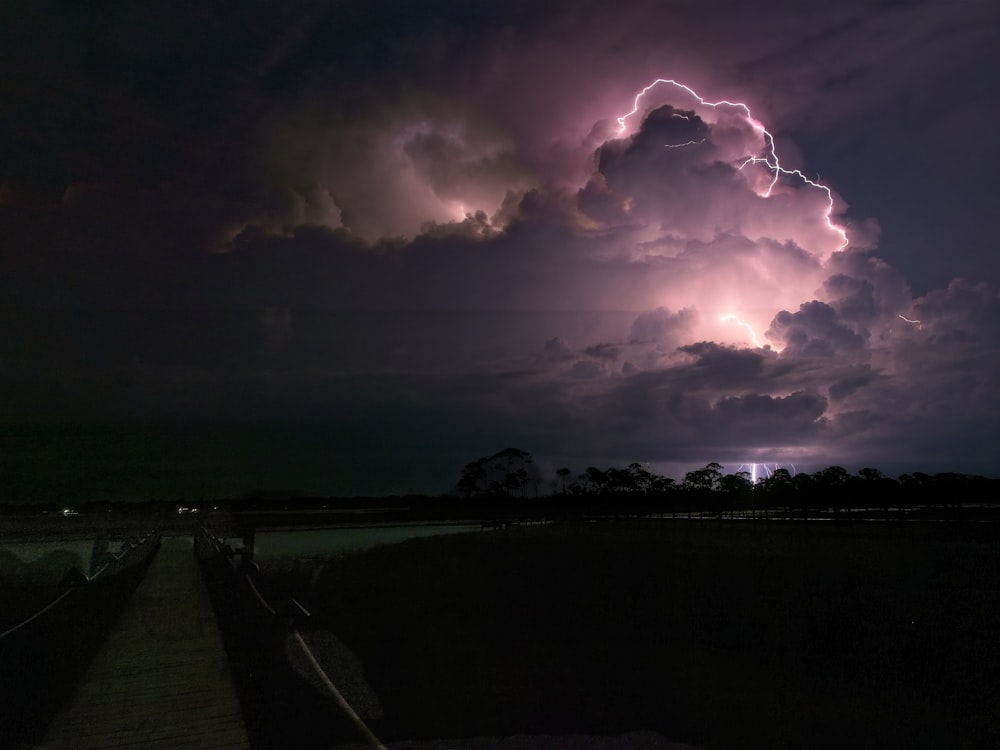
{"x":347,"y":247}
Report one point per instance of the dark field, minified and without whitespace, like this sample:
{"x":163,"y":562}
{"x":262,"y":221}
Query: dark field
{"x":720,"y":635}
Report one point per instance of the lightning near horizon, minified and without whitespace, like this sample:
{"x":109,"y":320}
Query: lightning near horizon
{"x":768,"y":471}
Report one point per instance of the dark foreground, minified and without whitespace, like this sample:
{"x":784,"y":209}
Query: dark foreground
{"x":43,"y":656}
{"x":719,"y":635}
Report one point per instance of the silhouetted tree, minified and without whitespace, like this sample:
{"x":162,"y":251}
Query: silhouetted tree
{"x":706,"y":479}
{"x":563,"y":474}
{"x":473,"y":478}
{"x":661,"y":485}
{"x":735,"y":490}
{"x":505,"y":473}
{"x":870,"y":475}
{"x":877,"y":489}
{"x":637,"y":490}
{"x":597,"y":480}
{"x":641,"y":477}
{"x":515,"y":482}
{"x":924,"y":488}
{"x":664,"y":492}
{"x":951,"y":489}
{"x":827,"y":489}
{"x":617,"y":480}
{"x":778,"y":489}
{"x":700,"y":485}
{"x":804,"y":486}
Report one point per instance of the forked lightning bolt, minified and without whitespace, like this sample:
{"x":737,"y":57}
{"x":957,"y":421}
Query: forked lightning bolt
{"x":738,"y":321}
{"x":769,"y":160}
{"x":768,"y":471}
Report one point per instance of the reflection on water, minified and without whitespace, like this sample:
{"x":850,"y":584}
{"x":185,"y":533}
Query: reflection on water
{"x":309,"y":542}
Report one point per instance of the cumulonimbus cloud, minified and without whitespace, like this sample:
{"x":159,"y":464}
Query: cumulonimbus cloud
{"x":454,"y":238}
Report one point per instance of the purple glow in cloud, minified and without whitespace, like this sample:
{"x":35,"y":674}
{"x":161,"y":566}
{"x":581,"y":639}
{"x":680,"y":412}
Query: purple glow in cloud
{"x":481,"y":227}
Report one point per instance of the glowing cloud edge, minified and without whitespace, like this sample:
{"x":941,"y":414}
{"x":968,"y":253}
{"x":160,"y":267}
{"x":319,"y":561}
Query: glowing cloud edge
{"x":769,"y":160}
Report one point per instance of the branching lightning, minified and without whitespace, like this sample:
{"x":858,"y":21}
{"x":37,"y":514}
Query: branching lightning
{"x":751,"y":469}
{"x":768,"y":470}
{"x":767,"y":176}
{"x":682,"y":145}
{"x":769,"y":160}
{"x":638,"y":97}
{"x":740,"y":322}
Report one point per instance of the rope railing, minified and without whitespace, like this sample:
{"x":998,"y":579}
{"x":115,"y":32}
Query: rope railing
{"x":367,"y":733}
{"x":260,"y":597}
{"x":289,"y":616}
{"x":39,"y":613}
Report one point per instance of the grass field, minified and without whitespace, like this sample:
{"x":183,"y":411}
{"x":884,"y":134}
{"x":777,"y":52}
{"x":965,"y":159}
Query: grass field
{"x":718,"y":635}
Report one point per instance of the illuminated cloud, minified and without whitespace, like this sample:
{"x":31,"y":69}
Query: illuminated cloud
{"x":814,"y":331}
{"x":434,"y":242}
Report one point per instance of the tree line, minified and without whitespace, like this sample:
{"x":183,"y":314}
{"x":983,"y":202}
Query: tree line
{"x":513,"y":474}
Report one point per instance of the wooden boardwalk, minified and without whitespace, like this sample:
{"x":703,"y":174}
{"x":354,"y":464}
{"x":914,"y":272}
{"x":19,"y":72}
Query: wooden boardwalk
{"x":161,"y":680}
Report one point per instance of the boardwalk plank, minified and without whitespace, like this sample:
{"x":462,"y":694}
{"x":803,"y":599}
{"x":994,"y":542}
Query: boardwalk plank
{"x":161,"y":679}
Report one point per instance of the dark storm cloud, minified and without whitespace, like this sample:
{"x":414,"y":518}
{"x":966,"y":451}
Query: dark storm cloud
{"x":962,"y":306}
{"x":241,"y":106}
{"x":854,"y":299}
{"x":647,"y":419}
{"x":453,"y":167}
{"x":852,"y":381}
{"x":814,"y":331}
{"x":661,"y":325}
{"x":720,"y":366}
{"x":415,"y":230}
{"x":755,"y":416}
{"x":603,"y":351}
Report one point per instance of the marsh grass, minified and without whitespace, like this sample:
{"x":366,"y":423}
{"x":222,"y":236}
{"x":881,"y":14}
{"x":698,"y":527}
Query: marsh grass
{"x":718,"y":635}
